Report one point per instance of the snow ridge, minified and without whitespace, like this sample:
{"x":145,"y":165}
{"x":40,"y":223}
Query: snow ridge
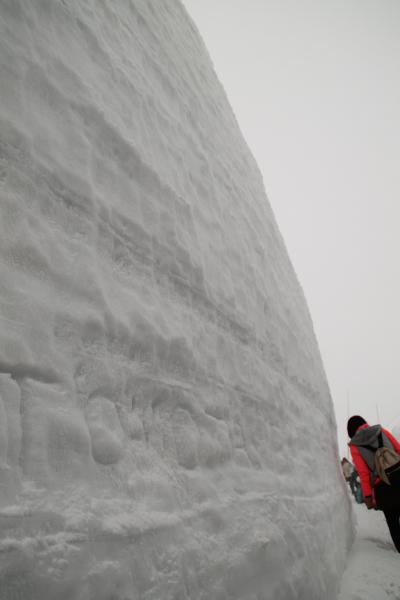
{"x":166,"y":428}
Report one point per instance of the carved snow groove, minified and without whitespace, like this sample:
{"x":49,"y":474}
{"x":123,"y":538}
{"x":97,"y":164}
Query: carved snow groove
{"x":105,"y":431}
{"x":10,"y":437}
{"x":22,"y":371}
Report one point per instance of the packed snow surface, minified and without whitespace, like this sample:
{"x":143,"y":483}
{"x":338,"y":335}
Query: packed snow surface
{"x":166,"y":429}
{"x":372,"y":569}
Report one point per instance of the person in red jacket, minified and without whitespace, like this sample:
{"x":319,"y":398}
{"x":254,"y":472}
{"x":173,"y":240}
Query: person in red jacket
{"x":364,"y":441}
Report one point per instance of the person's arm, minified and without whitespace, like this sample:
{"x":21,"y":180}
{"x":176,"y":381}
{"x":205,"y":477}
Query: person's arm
{"x":362,"y":470}
{"x":392,"y":439}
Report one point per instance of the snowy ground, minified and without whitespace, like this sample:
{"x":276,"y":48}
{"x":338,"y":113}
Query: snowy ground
{"x":373,"y":570}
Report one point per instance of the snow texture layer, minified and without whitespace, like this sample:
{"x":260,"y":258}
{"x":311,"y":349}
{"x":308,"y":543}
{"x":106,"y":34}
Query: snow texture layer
{"x":166,"y":429}
{"x":372,"y":571}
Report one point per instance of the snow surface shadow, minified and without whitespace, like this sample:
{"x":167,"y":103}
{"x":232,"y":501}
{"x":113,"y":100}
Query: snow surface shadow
{"x":381,"y":544}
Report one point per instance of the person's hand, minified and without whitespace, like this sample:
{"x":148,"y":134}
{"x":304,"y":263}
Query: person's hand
{"x":369,"y":503}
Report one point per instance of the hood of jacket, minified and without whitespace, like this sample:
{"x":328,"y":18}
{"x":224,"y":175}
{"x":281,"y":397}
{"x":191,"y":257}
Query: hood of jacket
{"x":366,"y":435}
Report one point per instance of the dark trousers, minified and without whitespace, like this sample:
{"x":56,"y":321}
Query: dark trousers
{"x":353,"y":483}
{"x":393,"y":520}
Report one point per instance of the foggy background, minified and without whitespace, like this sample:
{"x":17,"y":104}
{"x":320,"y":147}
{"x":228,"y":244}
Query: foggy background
{"x":315,"y":89}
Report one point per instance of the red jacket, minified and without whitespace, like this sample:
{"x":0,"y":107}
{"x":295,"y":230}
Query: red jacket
{"x":361,"y":465}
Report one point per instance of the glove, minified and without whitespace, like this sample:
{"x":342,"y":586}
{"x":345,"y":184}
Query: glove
{"x":369,"y":502}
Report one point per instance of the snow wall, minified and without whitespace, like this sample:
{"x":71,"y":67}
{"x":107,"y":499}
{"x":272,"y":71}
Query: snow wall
{"x":166,"y":428}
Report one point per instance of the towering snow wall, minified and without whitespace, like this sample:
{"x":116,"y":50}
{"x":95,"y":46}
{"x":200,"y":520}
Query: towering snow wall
{"x":166,"y":429}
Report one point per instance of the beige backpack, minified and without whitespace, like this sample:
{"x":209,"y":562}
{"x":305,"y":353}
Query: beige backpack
{"x":387,"y":463}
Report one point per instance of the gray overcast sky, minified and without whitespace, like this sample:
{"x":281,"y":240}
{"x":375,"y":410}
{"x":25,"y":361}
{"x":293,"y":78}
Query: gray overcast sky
{"x":315,"y":86}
